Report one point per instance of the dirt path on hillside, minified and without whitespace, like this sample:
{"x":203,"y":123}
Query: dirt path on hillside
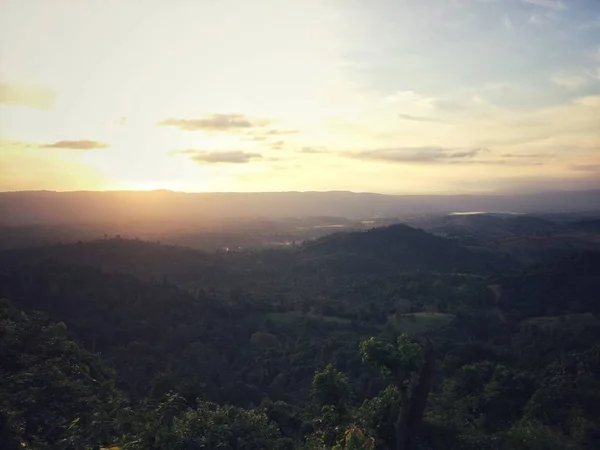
{"x":497,"y":291}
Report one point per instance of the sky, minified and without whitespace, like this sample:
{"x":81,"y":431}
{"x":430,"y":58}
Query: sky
{"x":390,"y":96}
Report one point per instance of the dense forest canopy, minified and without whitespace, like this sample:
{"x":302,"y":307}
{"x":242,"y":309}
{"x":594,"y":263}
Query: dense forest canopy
{"x":392,"y":338}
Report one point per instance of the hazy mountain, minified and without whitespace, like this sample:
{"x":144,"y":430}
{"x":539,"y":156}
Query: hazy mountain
{"x":45,"y":207}
{"x":488,"y":226}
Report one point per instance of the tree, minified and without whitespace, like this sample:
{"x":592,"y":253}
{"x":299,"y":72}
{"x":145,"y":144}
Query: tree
{"x":330,"y":388}
{"x":224,"y":427}
{"x":410,"y":368}
{"x":171,"y":424}
{"x":330,"y":392}
{"x":378,"y":415}
{"x":53,"y":394}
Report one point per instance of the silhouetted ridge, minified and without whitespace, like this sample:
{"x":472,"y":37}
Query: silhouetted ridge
{"x":402,"y":246}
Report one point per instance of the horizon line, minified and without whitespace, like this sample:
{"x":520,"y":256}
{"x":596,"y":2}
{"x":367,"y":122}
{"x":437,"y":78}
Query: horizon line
{"x":170,"y":191}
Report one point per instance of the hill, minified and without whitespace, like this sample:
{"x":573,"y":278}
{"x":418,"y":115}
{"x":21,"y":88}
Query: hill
{"x":330,"y":260}
{"x":194,"y":337}
{"x":528,"y":238}
{"x":400,"y":247}
{"x":485,"y":227}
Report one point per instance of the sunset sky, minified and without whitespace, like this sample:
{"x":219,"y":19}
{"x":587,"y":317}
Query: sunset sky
{"x":391,"y":96}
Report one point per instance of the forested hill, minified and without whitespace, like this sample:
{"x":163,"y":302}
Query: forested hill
{"x":273,"y":349}
{"x":385,"y":250}
{"x":406,"y":248}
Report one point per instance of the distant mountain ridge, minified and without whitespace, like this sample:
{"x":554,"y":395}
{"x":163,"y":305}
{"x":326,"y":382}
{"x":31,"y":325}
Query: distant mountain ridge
{"x":489,"y":226}
{"x":47,"y":207}
{"x":526,"y":237}
{"x":403,"y":247}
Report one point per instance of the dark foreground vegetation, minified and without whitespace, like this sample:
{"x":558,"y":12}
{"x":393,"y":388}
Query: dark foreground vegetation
{"x":387,"y":339}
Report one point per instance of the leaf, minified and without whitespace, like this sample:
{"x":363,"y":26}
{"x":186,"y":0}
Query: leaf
{"x":73,"y":423}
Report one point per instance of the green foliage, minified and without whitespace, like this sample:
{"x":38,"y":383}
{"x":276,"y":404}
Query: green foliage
{"x":355,"y":438}
{"x":535,"y":436}
{"x":569,"y":285}
{"x":53,"y":394}
{"x":170,"y":423}
{"x":397,"y":362}
{"x":379,"y":414}
{"x":421,"y":323}
{"x":330,"y":388}
{"x":223,"y":427}
{"x":232,"y":356}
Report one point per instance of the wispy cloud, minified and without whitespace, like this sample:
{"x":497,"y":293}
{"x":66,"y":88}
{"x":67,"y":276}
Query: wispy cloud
{"x":585,"y":167}
{"x":258,"y":135}
{"x":215,"y":122}
{"x":417,"y":154}
{"x":409,"y":98}
{"x":218,"y":157}
{"x":595,"y":23}
{"x":280,"y":132}
{"x":507,"y":22}
{"x":256,"y":138}
{"x":82,"y":144}
{"x":557,"y":5}
{"x":31,"y":96}
{"x":277,"y":145}
{"x":313,"y":150}
{"x":526,"y":155}
{"x":498,"y":162}
{"x":569,"y":81}
{"x":414,"y":118}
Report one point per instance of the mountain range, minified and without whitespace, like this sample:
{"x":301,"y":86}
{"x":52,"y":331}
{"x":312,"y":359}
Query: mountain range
{"x":48,"y":207}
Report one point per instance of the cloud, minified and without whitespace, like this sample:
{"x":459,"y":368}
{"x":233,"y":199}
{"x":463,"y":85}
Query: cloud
{"x":258,"y":137}
{"x":264,"y":135}
{"x":8,"y":144}
{"x":218,"y":157}
{"x":507,"y":22}
{"x":280,"y":132}
{"x":569,"y":81}
{"x":556,"y":5}
{"x":82,"y":144}
{"x":498,"y":162}
{"x":277,"y":145}
{"x":543,"y":183}
{"x":31,"y":96}
{"x":417,"y":154}
{"x":419,"y":118}
{"x":585,"y":167}
{"x":526,"y":155}
{"x":591,"y":24}
{"x":456,"y":105}
{"x":466,"y":153}
{"x":313,"y":150}
{"x":409,"y":98}
{"x":215,"y":122}
{"x":546,"y":17}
